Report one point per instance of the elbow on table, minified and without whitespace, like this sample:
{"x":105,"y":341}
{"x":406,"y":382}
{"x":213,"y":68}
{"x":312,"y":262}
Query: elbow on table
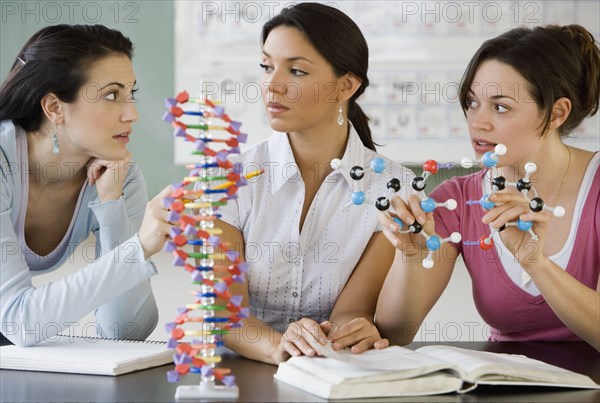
{"x":24,"y":335}
{"x":20,"y":329}
{"x":398,"y":334}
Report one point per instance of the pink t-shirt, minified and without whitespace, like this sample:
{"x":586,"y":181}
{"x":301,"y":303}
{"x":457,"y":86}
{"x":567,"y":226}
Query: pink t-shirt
{"x":514,"y":314}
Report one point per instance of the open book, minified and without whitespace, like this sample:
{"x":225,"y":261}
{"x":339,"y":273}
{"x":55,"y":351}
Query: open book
{"x":430,"y":370}
{"x":86,"y":355}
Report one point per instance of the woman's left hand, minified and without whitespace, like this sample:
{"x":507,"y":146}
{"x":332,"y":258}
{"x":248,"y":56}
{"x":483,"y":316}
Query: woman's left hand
{"x":109,"y":176}
{"x":509,"y":208}
{"x":293,"y":341}
{"x":359,"y":334}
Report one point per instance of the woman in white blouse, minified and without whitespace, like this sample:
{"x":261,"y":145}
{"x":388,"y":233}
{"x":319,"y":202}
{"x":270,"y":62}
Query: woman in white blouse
{"x":312,"y":267}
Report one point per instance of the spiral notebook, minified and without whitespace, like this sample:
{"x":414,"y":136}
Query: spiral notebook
{"x":86,"y":355}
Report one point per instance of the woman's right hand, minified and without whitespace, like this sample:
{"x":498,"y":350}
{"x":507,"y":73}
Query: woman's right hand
{"x":154,"y":231}
{"x":408,"y":243}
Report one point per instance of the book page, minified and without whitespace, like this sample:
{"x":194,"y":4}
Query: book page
{"x":435,"y":383}
{"x":495,"y":368}
{"x":403,"y":362}
{"x":335,"y":371}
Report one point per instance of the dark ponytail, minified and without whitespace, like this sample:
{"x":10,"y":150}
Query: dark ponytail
{"x":56,"y":60}
{"x":339,"y":40}
{"x":360,"y":121}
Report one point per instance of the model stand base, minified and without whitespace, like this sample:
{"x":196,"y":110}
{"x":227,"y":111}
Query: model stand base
{"x":206,"y":390}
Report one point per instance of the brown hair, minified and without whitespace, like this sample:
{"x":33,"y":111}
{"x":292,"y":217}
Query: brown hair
{"x":557,"y":61}
{"x":339,"y":40}
{"x":55,"y":60}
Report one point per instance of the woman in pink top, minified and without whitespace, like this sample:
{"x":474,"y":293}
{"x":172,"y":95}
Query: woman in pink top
{"x":526,"y":89}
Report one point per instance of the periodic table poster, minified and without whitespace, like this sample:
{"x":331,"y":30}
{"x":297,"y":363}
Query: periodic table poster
{"x":418,"y":53}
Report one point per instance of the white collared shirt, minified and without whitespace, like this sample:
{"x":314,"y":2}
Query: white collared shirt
{"x":295,"y":274}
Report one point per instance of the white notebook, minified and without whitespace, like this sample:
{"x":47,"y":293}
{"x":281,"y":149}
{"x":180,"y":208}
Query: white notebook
{"x":86,"y":355}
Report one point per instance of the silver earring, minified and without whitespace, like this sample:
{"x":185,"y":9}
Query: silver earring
{"x":55,"y":142}
{"x":340,"y":119}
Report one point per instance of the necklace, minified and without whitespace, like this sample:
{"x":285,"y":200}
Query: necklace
{"x":525,"y":277}
{"x":563,"y":180}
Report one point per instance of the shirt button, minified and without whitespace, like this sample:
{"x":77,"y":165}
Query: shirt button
{"x":291,"y":320}
{"x":294,"y":294}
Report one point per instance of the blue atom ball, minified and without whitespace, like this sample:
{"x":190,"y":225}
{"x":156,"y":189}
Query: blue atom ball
{"x":358,"y":198}
{"x":378,"y":165}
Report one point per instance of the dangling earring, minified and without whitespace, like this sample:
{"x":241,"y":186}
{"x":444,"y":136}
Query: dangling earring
{"x":55,"y":142}
{"x":340,"y":119}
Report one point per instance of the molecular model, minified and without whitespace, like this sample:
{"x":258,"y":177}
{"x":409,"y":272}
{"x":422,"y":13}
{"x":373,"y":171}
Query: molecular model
{"x":489,"y":160}
{"x":430,"y":167}
{"x":195,"y":244}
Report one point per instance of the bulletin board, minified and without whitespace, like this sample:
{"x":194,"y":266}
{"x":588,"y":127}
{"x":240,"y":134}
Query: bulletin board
{"x":418,"y":53}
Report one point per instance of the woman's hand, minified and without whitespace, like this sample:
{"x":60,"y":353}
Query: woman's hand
{"x":510,"y":207}
{"x":108,"y":176}
{"x":293,"y":342}
{"x":359,"y":334}
{"x":155,"y":228}
{"x":408,"y":243}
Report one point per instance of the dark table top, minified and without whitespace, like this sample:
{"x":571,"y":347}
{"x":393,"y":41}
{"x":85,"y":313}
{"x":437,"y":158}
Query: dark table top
{"x":256,"y":383}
